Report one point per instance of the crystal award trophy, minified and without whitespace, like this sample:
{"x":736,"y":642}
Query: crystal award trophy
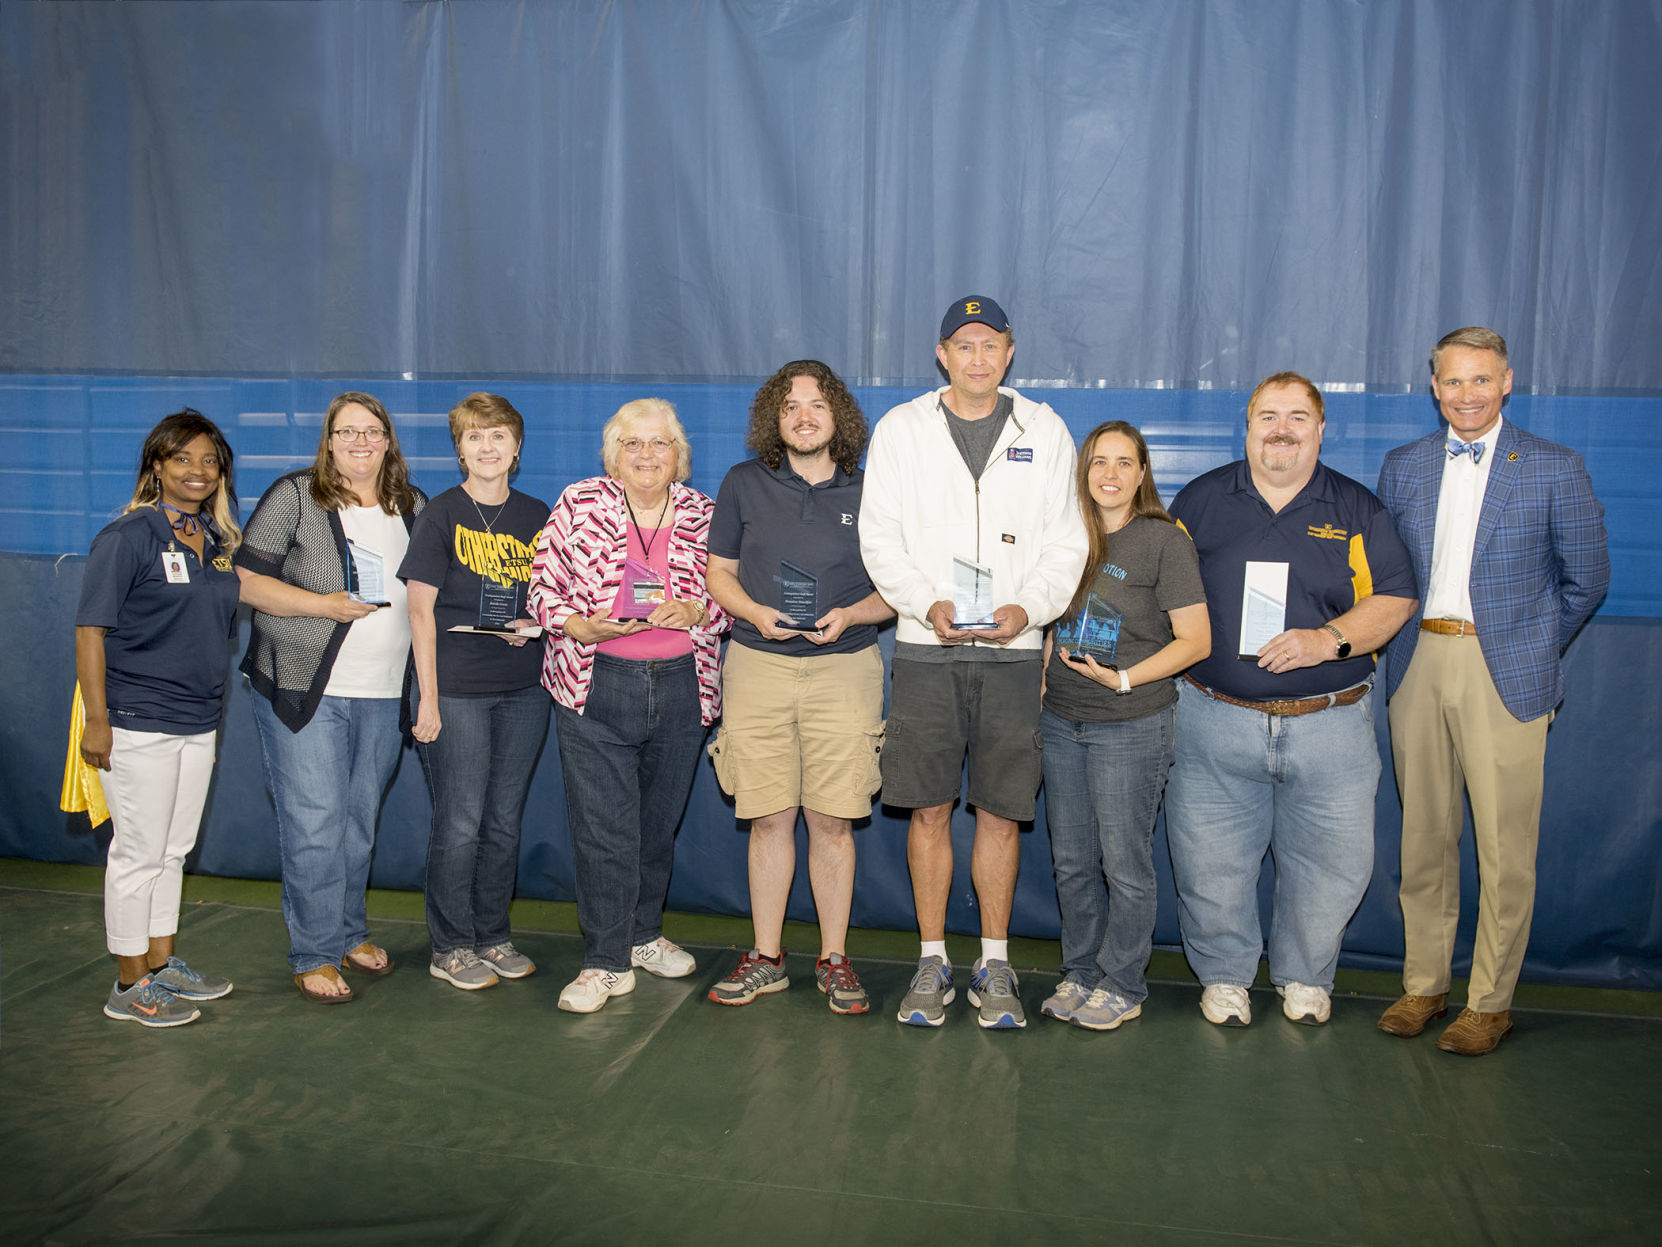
{"x":1096,"y":631}
{"x":369,"y":575}
{"x":1263,"y":606}
{"x":498,"y":604}
{"x":972,"y":595}
{"x":642,"y":592}
{"x":798,"y":598}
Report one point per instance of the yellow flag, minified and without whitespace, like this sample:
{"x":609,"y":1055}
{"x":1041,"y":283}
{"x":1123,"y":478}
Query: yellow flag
{"x":81,"y":787}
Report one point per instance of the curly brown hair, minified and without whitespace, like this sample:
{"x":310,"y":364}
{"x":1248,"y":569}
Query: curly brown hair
{"x":848,"y":438}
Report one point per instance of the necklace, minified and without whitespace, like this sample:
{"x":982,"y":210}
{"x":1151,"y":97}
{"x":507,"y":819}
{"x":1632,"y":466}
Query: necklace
{"x":481,"y":514}
{"x":188,"y":524}
{"x":646,"y":546}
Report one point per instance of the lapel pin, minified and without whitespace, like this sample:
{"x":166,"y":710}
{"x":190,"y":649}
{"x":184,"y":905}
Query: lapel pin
{"x":1512,"y":457}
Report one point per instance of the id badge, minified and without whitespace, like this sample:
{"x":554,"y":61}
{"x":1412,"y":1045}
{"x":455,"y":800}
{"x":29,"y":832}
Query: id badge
{"x":173,"y":563}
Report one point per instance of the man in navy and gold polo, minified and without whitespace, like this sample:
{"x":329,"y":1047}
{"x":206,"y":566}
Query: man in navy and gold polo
{"x":1305,"y":579}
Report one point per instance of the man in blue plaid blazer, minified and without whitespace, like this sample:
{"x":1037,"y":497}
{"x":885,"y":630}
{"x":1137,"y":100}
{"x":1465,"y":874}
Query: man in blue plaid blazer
{"x":1509,"y":547}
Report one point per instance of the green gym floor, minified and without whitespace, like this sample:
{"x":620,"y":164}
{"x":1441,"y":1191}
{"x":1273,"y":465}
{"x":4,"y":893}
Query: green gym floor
{"x":421,"y":1114}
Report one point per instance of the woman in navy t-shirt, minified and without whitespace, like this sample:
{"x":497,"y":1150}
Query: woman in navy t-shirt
{"x":158,"y":604}
{"x":483,"y":713}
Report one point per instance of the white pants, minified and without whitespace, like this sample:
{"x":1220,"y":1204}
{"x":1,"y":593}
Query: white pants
{"x":155,"y":788}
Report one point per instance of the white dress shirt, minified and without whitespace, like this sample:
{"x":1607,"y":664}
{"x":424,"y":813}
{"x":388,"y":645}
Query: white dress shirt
{"x":1459,"y":503}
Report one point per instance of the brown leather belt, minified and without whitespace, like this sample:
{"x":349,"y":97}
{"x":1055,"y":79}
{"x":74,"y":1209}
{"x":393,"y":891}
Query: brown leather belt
{"x":1290,"y":707}
{"x":1449,"y":627}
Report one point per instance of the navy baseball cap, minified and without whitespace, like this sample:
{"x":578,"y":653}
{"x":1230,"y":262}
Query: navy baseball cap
{"x":974,"y":310}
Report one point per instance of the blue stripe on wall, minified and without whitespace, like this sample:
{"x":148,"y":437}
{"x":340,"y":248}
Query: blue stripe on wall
{"x":69,"y":444}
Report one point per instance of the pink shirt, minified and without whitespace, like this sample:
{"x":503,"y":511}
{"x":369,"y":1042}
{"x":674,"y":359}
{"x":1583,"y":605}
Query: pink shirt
{"x":654,"y":642}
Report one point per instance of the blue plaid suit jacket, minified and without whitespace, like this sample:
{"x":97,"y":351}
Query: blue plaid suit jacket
{"x":1539,"y":567}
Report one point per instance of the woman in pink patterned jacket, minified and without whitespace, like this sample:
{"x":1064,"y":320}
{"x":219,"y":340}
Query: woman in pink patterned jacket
{"x":633,"y":662}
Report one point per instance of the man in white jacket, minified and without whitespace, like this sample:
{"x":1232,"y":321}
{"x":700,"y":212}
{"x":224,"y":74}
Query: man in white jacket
{"x":969,"y":484}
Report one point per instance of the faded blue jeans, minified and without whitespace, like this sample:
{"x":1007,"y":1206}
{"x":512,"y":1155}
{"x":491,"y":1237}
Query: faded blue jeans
{"x":1102,"y":791}
{"x":629,"y":761}
{"x":327,"y":781}
{"x":478,"y":771}
{"x":1302,"y":789}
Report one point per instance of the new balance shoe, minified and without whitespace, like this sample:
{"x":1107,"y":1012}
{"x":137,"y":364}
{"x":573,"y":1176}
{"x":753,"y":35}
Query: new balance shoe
{"x":507,"y":960}
{"x":843,"y":991}
{"x":149,"y":1004}
{"x":1067,"y":997}
{"x":461,"y":967}
{"x":1103,"y":1010}
{"x":188,"y":984}
{"x":663,"y":958}
{"x":1223,"y":1005}
{"x":992,"y":990}
{"x":1306,"y":1005}
{"x":593,"y":988}
{"x":925,"y":1001}
{"x":754,"y":976}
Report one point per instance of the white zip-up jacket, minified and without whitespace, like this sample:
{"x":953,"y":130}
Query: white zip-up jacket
{"x":921,"y":507}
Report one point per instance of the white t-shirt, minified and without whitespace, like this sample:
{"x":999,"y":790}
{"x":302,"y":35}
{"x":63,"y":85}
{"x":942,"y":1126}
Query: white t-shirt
{"x":372,"y":658}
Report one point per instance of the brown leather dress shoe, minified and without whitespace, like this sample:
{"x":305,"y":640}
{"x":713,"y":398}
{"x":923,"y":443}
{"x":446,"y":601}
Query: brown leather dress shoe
{"x":1474,"y":1033}
{"x":1409,"y":1015}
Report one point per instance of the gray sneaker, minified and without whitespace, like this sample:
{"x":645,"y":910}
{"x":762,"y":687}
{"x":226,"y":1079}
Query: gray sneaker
{"x":148,"y":1003}
{"x":1104,"y":1010}
{"x":187,"y":984}
{"x":507,"y":960}
{"x":925,"y":1001}
{"x":754,"y":976}
{"x":993,"y":987}
{"x":461,"y":967}
{"x":1067,"y":997}
{"x":843,"y":990}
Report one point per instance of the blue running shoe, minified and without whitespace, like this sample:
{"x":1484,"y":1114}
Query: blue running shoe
{"x":992,"y":990}
{"x":925,"y":1001}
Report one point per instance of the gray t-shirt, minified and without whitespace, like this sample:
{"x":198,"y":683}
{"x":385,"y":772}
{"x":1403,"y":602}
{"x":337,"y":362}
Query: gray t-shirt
{"x":1151,"y":569}
{"x":975,"y":439}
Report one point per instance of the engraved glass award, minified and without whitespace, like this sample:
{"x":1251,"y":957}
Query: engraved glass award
{"x":798,"y":598}
{"x":1263,"y":606}
{"x":369,"y":575}
{"x":972,"y":595}
{"x":642,"y":591}
{"x":498,"y":604}
{"x":1096,"y":631}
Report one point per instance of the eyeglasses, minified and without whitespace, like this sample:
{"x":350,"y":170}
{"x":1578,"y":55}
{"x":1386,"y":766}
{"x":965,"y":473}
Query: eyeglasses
{"x":634,"y":445}
{"x":374,"y":435}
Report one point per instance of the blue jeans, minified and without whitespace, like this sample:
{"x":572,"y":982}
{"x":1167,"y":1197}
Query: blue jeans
{"x":628,"y":760}
{"x":478,"y":771}
{"x":327,"y":781}
{"x":1302,"y":788}
{"x":1102,"y":790}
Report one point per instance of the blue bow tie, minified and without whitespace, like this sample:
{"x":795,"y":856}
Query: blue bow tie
{"x":1456,"y":448}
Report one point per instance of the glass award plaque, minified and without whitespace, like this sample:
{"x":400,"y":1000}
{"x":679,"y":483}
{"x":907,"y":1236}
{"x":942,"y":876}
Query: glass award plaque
{"x":1096,"y":631}
{"x":1263,"y":606}
{"x":498,"y":604}
{"x":642,"y":591}
{"x":798,"y":598}
{"x":972,"y":595}
{"x":369,"y":575}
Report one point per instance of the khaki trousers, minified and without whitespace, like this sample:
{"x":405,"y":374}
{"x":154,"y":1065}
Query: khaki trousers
{"x":1450,"y":733}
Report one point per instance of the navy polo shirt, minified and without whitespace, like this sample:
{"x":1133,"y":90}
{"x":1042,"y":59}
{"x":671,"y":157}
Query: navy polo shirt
{"x":765,"y":516}
{"x":165,"y":652}
{"x":1340,"y":547}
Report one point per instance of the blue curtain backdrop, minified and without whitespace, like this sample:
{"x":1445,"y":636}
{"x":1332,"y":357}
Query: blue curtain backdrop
{"x":250,"y":206}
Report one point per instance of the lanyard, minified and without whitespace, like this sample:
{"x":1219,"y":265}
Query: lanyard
{"x":646,"y":546}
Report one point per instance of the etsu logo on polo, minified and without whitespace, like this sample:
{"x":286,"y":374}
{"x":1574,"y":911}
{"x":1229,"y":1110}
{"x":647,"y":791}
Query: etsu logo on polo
{"x":1019,"y":454}
{"x":847,"y":518}
{"x":1328,"y":533}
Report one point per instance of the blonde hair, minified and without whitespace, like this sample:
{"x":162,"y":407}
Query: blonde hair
{"x":634,"y":412}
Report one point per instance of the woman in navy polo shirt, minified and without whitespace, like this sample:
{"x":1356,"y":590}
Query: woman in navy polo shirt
{"x":158,"y":606}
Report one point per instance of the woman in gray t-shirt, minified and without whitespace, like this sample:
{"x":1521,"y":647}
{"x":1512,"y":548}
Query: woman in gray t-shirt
{"x":1137,"y":619}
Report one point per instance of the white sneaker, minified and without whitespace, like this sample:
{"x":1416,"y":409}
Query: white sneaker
{"x":1223,"y":1005}
{"x":1309,"y":1006}
{"x":592,"y":988}
{"x":660,"y":957}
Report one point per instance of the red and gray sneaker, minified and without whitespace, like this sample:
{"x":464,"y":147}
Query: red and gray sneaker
{"x":753,"y":976}
{"x":843,"y":992}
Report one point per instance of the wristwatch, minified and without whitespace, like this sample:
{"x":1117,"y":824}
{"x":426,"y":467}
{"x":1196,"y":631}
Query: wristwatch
{"x":1344,"y":645}
{"x":1125,"y":682}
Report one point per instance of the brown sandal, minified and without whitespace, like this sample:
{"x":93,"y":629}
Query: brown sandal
{"x":367,"y":950}
{"x":324,"y":998}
